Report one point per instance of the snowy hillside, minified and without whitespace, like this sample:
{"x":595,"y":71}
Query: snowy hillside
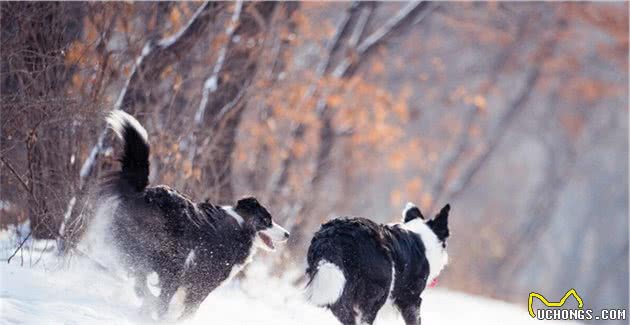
{"x":75,"y":291}
{"x":86,"y":296}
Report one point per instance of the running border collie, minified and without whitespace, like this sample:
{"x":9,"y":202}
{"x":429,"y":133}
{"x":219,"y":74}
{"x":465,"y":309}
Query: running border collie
{"x":193,"y":247}
{"x":356,"y":265}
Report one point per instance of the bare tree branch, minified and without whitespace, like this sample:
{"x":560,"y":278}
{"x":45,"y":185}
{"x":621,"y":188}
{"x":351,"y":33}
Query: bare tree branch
{"x":19,"y":247}
{"x":281,"y":176}
{"x":223,"y":107}
{"x":362,"y":20}
{"x":259,"y":176}
{"x":212,"y":83}
{"x":401,"y":19}
{"x":17,"y":176}
{"x":327,"y":133}
{"x":348,"y":66}
{"x":343,"y":26}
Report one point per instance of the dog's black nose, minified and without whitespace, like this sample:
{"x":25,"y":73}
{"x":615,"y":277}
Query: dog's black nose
{"x":286,"y":235}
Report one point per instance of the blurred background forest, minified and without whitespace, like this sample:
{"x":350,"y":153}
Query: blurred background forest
{"x":515,"y":113}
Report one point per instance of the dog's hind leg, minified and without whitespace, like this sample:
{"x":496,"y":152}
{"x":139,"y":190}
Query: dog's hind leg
{"x":344,"y":311}
{"x":411,"y":314}
{"x":370,"y":308}
{"x":195,"y":297}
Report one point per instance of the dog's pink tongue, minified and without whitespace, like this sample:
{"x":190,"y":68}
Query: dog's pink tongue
{"x":433,"y":283}
{"x":267,"y":240}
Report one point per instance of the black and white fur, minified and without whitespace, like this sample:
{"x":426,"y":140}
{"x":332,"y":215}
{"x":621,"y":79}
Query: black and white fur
{"x":356,"y":265}
{"x":193,"y":247}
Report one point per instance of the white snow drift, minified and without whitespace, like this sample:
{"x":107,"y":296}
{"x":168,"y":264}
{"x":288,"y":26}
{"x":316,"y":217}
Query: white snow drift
{"x":57,"y":292}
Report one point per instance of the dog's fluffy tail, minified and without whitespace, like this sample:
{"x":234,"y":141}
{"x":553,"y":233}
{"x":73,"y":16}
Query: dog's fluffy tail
{"x":326,"y":283}
{"x":134,"y":175}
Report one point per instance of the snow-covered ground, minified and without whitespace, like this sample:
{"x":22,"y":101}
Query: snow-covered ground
{"x":55,"y":292}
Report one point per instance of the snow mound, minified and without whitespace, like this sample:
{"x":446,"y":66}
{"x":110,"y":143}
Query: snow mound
{"x":37,"y":287}
{"x":84,"y":295}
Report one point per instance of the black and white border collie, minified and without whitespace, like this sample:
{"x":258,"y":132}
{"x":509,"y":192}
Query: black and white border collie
{"x":355,"y":265}
{"x":193,"y":247}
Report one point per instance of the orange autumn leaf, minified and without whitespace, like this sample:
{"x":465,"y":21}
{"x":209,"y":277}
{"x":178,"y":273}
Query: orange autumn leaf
{"x":175,"y":17}
{"x":334,"y":100}
{"x":480,"y":102}
{"x":395,"y":198}
{"x":378,"y":67}
{"x":397,"y":160}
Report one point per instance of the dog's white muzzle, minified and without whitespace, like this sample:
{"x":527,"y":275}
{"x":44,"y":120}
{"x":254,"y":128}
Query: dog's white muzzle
{"x":265,"y":239}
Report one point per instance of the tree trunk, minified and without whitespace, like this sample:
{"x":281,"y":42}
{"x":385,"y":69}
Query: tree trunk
{"x":225,"y":103}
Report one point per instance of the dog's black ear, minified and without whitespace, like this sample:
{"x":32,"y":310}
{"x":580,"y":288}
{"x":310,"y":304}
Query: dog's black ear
{"x":439,"y":224}
{"x":411,"y":212}
{"x":248,"y":204}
